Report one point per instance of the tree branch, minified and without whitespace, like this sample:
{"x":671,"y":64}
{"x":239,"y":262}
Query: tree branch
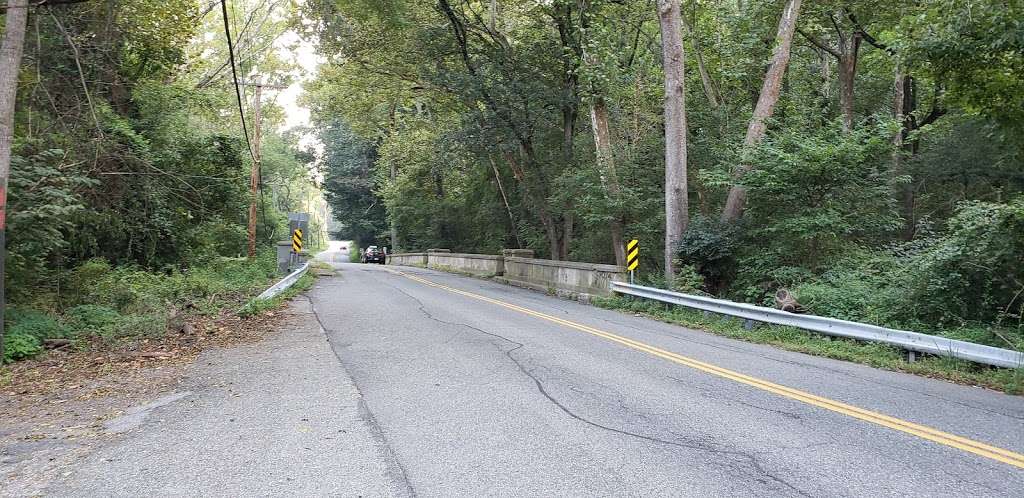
{"x":867,"y":37}
{"x":818,"y":43}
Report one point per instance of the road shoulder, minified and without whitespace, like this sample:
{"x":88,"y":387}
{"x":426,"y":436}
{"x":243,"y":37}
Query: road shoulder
{"x":270,"y":417}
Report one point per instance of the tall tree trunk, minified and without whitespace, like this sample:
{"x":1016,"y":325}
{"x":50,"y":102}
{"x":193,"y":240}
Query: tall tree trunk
{"x":904,"y":104}
{"x":609,"y":176}
{"x":673,"y":57}
{"x":10,"y":65}
{"x":847,"y":73}
{"x":849,"y":53}
{"x":765,"y":106}
{"x":393,"y":228}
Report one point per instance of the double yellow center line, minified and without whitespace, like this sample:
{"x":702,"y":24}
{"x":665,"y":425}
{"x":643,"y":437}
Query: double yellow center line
{"x":924,"y":432}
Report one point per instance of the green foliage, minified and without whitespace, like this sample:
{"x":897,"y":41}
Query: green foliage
{"x":20,"y":347}
{"x":92,"y":319}
{"x":44,"y":201}
{"x":35,"y":323}
{"x":708,"y":248}
{"x":353,"y":252}
{"x":813,"y":194}
{"x":974,"y":272}
{"x":977,"y":48}
{"x":25,"y":331}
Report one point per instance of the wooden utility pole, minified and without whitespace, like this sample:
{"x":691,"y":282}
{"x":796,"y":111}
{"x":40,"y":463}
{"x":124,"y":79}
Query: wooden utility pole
{"x":257,"y":155}
{"x":10,"y":63}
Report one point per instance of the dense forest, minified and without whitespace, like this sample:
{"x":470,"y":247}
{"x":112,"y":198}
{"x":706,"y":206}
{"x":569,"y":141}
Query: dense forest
{"x":129,"y":174}
{"x":866,"y":155}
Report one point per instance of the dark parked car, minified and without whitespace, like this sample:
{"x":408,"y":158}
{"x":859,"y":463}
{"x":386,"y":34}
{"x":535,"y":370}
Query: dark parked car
{"x":373,"y":254}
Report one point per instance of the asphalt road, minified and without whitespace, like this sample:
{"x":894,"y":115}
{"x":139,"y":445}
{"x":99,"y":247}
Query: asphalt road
{"x":453,"y":386}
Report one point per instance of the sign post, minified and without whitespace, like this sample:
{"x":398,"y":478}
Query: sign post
{"x":632,"y":257}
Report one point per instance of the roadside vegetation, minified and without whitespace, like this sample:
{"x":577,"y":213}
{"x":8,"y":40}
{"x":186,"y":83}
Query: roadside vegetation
{"x":866,"y":156}
{"x":96,"y":305}
{"x":129,"y":188}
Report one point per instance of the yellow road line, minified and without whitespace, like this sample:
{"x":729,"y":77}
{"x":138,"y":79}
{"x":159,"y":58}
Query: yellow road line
{"x":924,"y":432}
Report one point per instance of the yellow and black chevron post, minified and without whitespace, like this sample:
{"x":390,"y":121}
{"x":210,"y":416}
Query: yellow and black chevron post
{"x":297,"y":240}
{"x":632,"y":254}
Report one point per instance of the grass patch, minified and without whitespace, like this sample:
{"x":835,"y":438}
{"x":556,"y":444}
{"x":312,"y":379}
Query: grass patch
{"x":876,"y":355}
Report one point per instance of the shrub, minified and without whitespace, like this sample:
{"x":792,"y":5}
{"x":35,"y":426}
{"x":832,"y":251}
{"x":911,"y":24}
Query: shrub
{"x":92,"y":319}
{"x":974,"y":270}
{"x":708,"y":249}
{"x":19,"y":346}
{"x":34,"y":323}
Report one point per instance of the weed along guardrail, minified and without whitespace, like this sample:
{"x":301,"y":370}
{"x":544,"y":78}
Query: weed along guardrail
{"x":911,"y":341}
{"x":285,"y":283}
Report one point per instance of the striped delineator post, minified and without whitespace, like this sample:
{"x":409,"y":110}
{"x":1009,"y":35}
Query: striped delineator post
{"x":632,"y":257}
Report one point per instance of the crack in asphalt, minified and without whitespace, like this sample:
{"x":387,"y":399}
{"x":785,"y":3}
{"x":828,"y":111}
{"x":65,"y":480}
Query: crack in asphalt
{"x":397,"y":471}
{"x":697,"y":446}
{"x":706,"y":394}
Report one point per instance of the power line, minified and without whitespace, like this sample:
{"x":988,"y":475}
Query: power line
{"x":234,"y":76}
{"x":253,"y":153}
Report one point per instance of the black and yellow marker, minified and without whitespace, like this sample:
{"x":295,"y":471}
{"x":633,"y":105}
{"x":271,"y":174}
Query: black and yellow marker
{"x":632,"y":254}
{"x":297,"y":240}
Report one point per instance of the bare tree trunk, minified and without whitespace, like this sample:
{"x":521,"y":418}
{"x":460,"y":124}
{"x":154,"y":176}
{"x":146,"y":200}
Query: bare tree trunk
{"x":765,"y":106}
{"x":849,"y":52}
{"x":504,"y":199}
{"x":673,"y":57}
{"x":393,"y":174}
{"x":10,"y":64}
{"x":254,"y":170}
{"x":609,"y":176}
{"x":565,"y":239}
{"x":847,"y":73}
{"x":903,"y":104}
{"x":898,"y":113}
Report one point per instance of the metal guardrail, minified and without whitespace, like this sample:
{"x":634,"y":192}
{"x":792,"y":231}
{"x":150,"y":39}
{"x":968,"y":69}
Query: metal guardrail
{"x":285,"y":283}
{"x":912,"y":341}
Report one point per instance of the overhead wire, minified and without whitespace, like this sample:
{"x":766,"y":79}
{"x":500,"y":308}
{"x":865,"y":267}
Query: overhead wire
{"x":241,"y":114}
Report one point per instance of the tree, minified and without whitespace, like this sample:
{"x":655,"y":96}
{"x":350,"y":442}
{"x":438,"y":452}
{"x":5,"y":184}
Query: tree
{"x":766,"y":101}
{"x":10,"y":67}
{"x":676,"y":202}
